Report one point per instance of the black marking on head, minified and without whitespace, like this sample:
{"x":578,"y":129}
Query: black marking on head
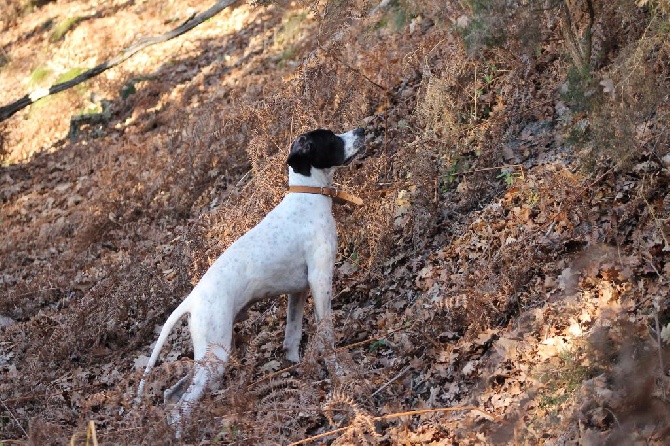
{"x":321,"y":149}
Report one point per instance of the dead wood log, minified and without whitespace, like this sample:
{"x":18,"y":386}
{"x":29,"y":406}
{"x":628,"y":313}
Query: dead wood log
{"x":7,"y":111}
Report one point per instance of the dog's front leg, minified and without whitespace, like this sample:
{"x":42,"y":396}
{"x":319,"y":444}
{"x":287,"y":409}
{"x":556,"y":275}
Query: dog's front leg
{"x":320,"y":278}
{"x":293,"y":334}
{"x":320,"y":282}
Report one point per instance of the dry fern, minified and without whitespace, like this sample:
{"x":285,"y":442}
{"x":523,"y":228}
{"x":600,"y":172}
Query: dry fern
{"x":360,"y":424}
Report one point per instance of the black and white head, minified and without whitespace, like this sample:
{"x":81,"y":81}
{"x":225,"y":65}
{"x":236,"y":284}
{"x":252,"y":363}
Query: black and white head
{"x":323,"y":149}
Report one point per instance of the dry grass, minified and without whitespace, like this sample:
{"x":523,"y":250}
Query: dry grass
{"x":456,"y":282}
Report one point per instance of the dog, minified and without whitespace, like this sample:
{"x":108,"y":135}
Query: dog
{"x":292,"y":250}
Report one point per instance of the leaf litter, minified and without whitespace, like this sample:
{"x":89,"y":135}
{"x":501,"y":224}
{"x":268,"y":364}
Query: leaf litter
{"x":538,"y":299}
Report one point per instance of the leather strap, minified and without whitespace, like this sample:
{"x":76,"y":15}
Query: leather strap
{"x":337,"y":195}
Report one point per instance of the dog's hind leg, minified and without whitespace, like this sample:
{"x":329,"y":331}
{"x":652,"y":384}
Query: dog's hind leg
{"x":206,"y":376}
{"x":293,"y":334}
{"x":174,"y":393}
{"x":211,"y":333}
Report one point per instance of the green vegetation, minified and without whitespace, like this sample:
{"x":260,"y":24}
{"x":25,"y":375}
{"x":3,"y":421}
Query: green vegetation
{"x":579,"y":90}
{"x":378,"y":344}
{"x":483,"y":27}
{"x":128,"y":89}
{"x":561,"y":384}
{"x":63,"y":27}
{"x":399,"y":14}
{"x":291,"y":30}
{"x":286,"y":37}
{"x":509,"y":175}
{"x":39,"y":75}
{"x":4,"y":59}
{"x":69,"y":75}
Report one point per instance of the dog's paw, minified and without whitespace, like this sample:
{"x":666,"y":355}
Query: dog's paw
{"x":292,"y":357}
{"x":292,"y":350}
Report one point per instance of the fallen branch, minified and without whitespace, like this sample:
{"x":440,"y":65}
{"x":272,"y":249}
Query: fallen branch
{"x":7,"y":111}
{"x":486,"y":169}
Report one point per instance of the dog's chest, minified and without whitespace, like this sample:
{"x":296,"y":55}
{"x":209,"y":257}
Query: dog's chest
{"x":299,"y":222}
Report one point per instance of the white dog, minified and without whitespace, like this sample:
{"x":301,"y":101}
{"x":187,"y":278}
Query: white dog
{"x":290,"y":251}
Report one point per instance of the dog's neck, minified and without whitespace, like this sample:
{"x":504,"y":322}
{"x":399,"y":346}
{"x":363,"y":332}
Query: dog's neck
{"x":318,"y":178}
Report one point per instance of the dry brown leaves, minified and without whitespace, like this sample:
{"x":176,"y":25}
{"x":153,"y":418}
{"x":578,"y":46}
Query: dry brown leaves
{"x":489,"y":268}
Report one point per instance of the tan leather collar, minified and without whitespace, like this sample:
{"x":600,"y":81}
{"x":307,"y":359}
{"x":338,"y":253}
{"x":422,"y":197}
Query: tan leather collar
{"x":337,"y":195}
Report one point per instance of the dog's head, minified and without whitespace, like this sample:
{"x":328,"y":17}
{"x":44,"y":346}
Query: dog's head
{"x":323,"y":149}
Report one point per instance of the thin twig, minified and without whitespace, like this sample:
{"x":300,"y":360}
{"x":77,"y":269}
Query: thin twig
{"x":614,"y":416}
{"x":398,"y":415}
{"x":597,"y":180}
{"x":484,"y":169}
{"x":553,"y":223}
{"x":323,"y":435}
{"x":349,"y":67}
{"x":41,"y":290}
{"x":388,"y":383}
{"x":475,"y":93}
{"x":551,"y":228}
{"x":368,"y":341}
{"x":34,"y":397}
{"x":484,"y":413}
{"x":91,"y":434}
{"x":11,"y":414}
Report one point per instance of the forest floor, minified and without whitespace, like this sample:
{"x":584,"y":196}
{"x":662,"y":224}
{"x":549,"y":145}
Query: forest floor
{"x":505,"y":282}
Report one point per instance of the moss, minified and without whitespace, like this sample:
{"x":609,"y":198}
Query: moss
{"x":580,"y":92}
{"x":39,"y":75}
{"x":4,"y":60}
{"x":63,"y":27}
{"x":69,"y":75}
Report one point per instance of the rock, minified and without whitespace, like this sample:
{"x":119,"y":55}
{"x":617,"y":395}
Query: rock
{"x":646,"y":167}
{"x":6,"y":321}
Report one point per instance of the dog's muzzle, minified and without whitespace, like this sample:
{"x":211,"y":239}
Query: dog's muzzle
{"x":359,"y":134}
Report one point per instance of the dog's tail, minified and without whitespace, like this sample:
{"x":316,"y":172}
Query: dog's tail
{"x":181,"y":310}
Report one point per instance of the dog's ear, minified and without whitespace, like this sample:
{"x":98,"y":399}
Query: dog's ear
{"x":299,"y":158}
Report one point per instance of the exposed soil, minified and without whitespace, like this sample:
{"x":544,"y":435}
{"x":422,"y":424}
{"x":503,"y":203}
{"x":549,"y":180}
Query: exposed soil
{"x":505,"y":282}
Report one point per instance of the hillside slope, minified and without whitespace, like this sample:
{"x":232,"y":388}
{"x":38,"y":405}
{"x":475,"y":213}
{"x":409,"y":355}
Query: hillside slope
{"x":505,"y":282}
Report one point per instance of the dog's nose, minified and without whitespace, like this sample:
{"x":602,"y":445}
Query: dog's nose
{"x":360,"y":131}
